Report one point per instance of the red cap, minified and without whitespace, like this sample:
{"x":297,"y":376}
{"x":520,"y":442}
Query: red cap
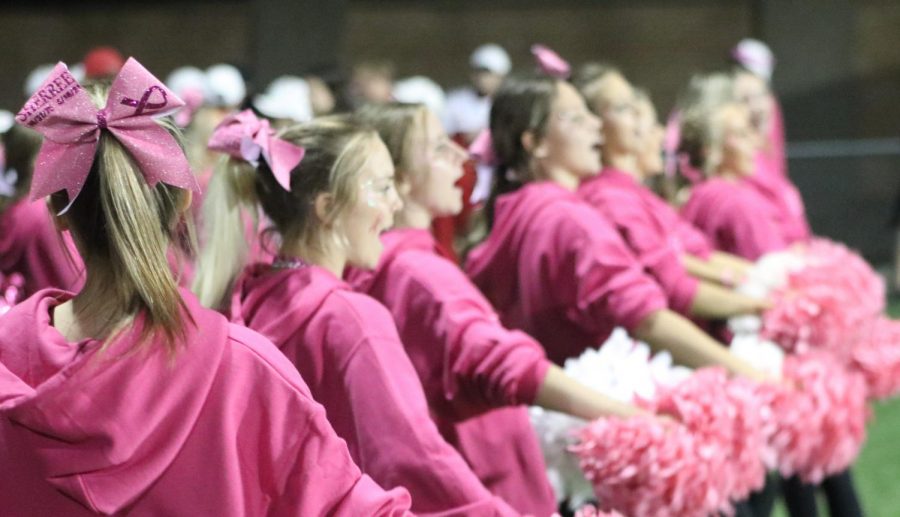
{"x":102,"y":62}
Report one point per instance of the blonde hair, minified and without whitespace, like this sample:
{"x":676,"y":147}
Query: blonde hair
{"x":397,"y":124}
{"x":702,"y":134}
{"x":335,"y":152}
{"x":589,"y":80}
{"x":123,"y":228}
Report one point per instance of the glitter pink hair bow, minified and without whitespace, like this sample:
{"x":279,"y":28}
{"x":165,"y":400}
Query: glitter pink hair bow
{"x":62,"y":111}
{"x":247,"y":137}
{"x":550,"y":63}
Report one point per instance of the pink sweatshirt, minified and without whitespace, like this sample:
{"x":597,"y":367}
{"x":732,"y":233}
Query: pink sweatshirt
{"x":736,"y":218}
{"x":553,"y":267}
{"x":30,"y":244}
{"x":777,"y":189}
{"x":654,"y":232}
{"x":346,"y":347}
{"x":225,"y":428}
{"x":469,"y":365}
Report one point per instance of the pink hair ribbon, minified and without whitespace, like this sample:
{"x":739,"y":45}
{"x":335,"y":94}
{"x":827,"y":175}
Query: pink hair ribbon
{"x":62,"y":111}
{"x":247,"y":137}
{"x":550,"y":63}
{"x":482,"y":151}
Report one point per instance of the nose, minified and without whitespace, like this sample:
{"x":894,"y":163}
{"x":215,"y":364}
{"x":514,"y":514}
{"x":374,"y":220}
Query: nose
{"x":396,"y":202}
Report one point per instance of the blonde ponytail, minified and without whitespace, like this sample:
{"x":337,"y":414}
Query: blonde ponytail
{"x":123,"y":228}
{"x":229,"y":200}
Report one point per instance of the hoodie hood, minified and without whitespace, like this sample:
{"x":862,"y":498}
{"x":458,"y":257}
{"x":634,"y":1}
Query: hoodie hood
{"x":299,"y":292}
{"x":492,"y":264}
{"x":104,"y":424}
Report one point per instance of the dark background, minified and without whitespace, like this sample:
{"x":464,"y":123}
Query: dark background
{"x":837,"y":76}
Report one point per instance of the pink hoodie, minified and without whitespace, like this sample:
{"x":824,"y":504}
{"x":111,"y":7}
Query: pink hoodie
{"x":736,"y":218}
{"x":30,"y":244}
{"x":784,"y":197}
{"x":225,"y":428}
{"x":652,"y":229}
{"x":469,"y":365}
{"x":553,"y":267}
{"x":346,"y":347}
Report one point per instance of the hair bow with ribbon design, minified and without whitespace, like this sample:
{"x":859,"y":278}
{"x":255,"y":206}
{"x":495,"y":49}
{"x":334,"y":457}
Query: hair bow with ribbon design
{"x":63,"y":112}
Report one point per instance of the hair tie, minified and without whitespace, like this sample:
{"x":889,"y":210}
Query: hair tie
{"x":246,"y":137}
{"x":62,"y":111}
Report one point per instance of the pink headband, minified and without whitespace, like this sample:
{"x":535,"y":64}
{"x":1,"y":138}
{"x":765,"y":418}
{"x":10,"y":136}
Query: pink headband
{"x":63,"y":112}
{"x":246,"y":137}
{"x":550,"y":63}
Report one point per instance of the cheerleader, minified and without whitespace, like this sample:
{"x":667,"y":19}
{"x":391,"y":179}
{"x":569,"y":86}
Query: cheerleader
{"x":719,"y":140}
{"x":29,"y":243}
{"x":551,"y":265}
{"x":769,"y":176}
{"x":129,"y":397}
{"x":476,"y":373}
{"x":658,"y":237}
{"x":328,"y":189}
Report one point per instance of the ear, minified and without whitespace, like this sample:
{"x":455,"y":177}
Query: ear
{"x":322,"y":205}
{"x":531,"y":145}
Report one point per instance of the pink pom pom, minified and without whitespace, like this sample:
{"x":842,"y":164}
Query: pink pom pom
{"x":877,"y":358}
{"x":819,"y":427}
{"x":10,"y":291}
{"x":725,"y":416}
{"x":827,"y":304}
{"x":643,"y":466}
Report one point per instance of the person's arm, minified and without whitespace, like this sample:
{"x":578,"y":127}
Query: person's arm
{"x":690,"y":346}
{"x":714,"y":302}
{"x":726,"y":270}
{"x":737,"y":264}
{"x":560,"y":392}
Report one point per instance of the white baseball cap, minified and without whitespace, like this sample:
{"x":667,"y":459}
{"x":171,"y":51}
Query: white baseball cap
{"x":491,"y":57}
{"x":286,"y":97}
{"x":421,"y":90}
{"x":755,"y":56}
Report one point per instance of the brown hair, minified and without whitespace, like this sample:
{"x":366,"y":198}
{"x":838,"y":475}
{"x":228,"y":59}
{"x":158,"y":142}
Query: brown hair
{"x":335,"y":152}
{"x":523,"y":104}
{"x":123,"y":228}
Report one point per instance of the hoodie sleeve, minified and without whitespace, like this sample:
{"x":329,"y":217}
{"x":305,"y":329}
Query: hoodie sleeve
{"x":654,"y":249}
{"x":444,"y":318}
{"x":395,"y":441}
{"x":610,"y":286}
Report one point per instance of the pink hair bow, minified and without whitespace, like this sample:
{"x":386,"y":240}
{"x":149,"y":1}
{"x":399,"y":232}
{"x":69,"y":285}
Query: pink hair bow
{"x":63,"y":112}
{"x":247,"y":137}
{"x":550,"y":63}
{"x":482,"y":148}
{"x":482,"y":151}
